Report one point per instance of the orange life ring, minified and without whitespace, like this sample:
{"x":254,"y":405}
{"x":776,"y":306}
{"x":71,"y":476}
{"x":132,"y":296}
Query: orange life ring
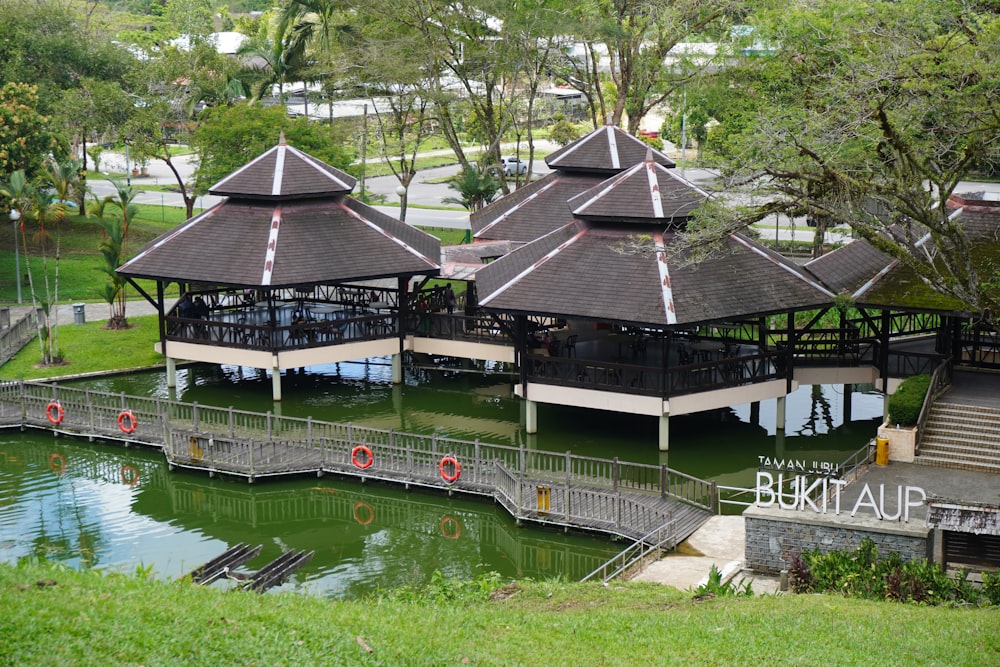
{"x":364,"y":518}
{"x":450,"y":527}
{"x":456,"y":469}
{"x":57,"y":462}
{"x":127,"y":416}
{"x":362,"y":449}
{"x":130,"y":475}
{"x":54,"y":412}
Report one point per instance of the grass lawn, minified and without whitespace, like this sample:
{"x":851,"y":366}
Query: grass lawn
{"x":90,"y":347}
{"x":68,"y":617}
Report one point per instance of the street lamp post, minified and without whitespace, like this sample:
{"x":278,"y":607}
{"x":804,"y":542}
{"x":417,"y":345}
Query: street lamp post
{"x":401,"y":191}
{"x":15,"y":215}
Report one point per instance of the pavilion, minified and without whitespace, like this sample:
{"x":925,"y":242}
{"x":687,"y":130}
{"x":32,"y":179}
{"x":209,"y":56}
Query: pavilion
{"x":292,"y":271}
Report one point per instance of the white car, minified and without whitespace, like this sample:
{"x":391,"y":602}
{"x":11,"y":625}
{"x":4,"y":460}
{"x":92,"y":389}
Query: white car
{"x":511,"y":165}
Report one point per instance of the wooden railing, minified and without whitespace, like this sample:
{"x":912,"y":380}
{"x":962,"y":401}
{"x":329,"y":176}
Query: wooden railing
{"x":651,"y":381}
{"x":254,"y":445}
{"x":14,"y":337}
{"x":255,"y":336}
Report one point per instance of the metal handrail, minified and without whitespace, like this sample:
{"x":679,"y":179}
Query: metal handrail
{"x":657,"y":540}
{"x":940,"y":381}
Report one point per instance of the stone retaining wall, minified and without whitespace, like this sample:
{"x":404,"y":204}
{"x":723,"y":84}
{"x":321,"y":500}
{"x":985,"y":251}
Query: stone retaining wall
{"x":773,"y":536}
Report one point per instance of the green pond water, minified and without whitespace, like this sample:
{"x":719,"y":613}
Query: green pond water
{"x":98,"y":505}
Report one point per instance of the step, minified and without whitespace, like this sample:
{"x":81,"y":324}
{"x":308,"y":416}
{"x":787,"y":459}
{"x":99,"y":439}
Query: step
{"x":967,"y":457}
{"x":959,"y":465}
{"x":966,"y":408}
{"x":958,"y":440}
{"x":948,"y":435}
{"x":974,"y":448}
{"x":964,"y":421}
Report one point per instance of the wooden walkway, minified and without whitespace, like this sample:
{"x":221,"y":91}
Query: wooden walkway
{"x":603,"y":495}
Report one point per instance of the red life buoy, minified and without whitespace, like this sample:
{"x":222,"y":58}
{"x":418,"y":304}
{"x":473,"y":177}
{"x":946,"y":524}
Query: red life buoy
{"x":126,"y":421}
{"x":130,"y":475}
{"x":356,"y":460}
{"x":57,"y":462}
{"x":455,"y":466}
{"x":450,"y":527}
{"x":363,"y":513}
{"x":54,"y":412}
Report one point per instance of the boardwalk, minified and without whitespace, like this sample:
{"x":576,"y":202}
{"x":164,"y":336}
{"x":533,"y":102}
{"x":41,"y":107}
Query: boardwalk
{"x":604,"y":495}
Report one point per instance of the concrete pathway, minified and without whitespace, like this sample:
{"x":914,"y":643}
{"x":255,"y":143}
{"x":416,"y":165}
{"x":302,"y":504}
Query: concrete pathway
{"x":720,"y":542}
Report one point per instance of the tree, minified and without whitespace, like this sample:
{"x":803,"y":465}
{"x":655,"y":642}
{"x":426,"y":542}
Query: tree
{"x":229,"y":137}
{"x":25,"y":137}
{"x":636,"y":36}
{"x":476,"y":188}
{"x":112,"y":256}
{"x":882,"y":109}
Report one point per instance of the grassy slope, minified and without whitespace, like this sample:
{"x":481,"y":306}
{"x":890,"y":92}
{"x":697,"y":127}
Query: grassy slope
{"x":86,"y":619}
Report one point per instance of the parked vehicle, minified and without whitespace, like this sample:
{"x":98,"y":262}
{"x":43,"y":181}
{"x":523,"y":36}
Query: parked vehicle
{"x":512,"y":165}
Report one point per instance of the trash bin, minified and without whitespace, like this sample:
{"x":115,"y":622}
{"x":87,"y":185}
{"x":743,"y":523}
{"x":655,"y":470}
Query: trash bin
{"x":544,"y":498}
{"x":881,"y":451}
{"x":79,"y":313}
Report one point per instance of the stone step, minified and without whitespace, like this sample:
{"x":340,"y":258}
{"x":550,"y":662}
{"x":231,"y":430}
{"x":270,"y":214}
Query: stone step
{"x":963,"y":435}
{"x":958,"y":464}
{"x":985,"y":421}
{"x":958,"y":450}
{"x":966,"y":409}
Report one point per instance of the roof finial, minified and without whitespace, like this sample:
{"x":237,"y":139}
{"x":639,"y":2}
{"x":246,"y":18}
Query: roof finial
{"x":281,"y":138}
{"x":649,"y":153}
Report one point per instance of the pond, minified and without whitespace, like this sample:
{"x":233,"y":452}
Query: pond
{"x":94,"y":505}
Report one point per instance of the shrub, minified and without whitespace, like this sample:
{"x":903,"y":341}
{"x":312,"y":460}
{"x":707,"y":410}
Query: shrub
{"x":906,"y":402}
{"x":563,"y":132}
{"x":862,"y":574}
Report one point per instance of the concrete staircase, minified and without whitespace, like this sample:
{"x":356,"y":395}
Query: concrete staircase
{"x":961,"y":436}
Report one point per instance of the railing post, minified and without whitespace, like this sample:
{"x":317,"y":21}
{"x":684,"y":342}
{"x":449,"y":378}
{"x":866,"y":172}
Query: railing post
{"x":615,"y":473}
{"x":268,"y":424}
{"x":90,"y":414}
{"x":714,"y":490}
{"x":232,"y":423}
{"x":195,"y":416}
{"x":478,"y":466}
{"x":663,"y":480}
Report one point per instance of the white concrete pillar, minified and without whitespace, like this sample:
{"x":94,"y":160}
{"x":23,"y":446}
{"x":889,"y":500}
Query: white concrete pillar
{"x":531,"y":417}
{"x":397,"y":368}
{"x":779,"y":414}
{"x":171,"y":372}
{"x":664,"y":432}
{"x":276,"y":384}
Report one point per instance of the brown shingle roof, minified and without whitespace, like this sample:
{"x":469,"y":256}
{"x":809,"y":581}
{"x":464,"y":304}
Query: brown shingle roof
{"x":255,"y":244}
{"x":606,"y":150}
{"x":284,"y":173}
{"x":647,"y":191}
{"x":581,"y":271}
{"x":533,"y":210}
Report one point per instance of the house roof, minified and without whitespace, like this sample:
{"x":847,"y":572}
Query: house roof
{"x":606,"y":150}
{"x":585,"y":270}
{"x":252,"y":241}
{"x":874,"y":278}
{"x":541,"y":206}
{"x":533,"y":210}
{"x":284,"y":173}
{"x":647,"y":191}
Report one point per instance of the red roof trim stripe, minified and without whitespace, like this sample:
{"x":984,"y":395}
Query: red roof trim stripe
{"x":665,"y":286}
{"x":517,"y":207}
{"x":654,"y":189}
{"x":272,"y":246}
{"x":613,"y":146}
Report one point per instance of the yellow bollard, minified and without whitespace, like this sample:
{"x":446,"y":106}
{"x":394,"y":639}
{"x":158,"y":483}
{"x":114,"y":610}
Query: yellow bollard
{"x":544,"y":497}
{"x":881,"y":451}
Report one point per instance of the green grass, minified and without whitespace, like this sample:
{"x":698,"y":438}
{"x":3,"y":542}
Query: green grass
{"x":68,"y":617}
{"x":87,"y":348}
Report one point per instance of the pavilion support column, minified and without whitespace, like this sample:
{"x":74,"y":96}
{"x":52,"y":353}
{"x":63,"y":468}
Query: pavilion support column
{"x":171,"y":372}
{"x":779,"y":414}
{"x":755,"y":413}
{"x":530,"y":416}
{"x":664,"y":432}
{"x":276,"y":383}
{"x":397,"y":368}
{"x":848,"y":391}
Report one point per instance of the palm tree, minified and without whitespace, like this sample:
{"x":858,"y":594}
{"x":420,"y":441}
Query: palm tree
{"x":111,"y":256}
{"x":123,"y":202}
{"x":476,"y":188}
